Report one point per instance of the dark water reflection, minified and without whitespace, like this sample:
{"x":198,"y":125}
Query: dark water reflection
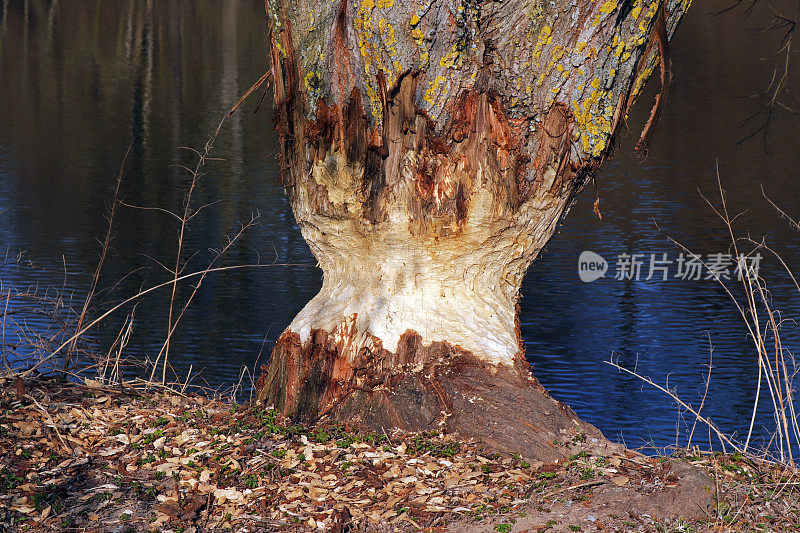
{"x":80,"y":82}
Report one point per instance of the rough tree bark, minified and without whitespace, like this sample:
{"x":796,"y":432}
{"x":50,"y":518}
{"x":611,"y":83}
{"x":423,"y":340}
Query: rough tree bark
{"x":430,"y":149}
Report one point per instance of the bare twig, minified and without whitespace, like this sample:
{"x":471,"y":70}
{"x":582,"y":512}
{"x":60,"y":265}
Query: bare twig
{"x":705,"y":391}
{"x":722,"y":437}
{"x":57,"y":350}
{"x":103,"y":251}
{"x":196,"y":176}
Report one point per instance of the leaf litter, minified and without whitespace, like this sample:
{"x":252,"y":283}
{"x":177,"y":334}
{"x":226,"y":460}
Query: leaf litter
{"x":94,"y":459}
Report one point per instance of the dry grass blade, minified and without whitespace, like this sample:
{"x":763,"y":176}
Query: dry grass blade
{"x":722,"y":436}
{"x":52,"y":353}
{"x":776,"y":365}
{"x":705,"y":390}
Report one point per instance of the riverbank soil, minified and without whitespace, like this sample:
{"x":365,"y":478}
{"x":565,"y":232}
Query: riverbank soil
{"x":78,"y":458}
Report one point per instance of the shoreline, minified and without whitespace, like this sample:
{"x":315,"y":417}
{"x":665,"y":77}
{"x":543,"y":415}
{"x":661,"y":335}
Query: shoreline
{"x":76,"y":458}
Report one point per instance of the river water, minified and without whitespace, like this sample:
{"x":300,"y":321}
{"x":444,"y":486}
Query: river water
{"x":81,"y":81}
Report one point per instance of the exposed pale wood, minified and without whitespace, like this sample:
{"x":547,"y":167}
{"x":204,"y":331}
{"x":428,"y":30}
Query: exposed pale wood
{"x":430,"y":151}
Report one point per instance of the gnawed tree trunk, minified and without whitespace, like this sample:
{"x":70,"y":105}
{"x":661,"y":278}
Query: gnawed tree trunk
{"x":430,"y":150}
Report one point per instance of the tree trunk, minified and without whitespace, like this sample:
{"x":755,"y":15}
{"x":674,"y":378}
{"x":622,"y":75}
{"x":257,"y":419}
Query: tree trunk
{"x":430,"y":151}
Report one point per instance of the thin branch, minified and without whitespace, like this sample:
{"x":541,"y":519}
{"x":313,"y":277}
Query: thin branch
{"x":103,"y":251}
